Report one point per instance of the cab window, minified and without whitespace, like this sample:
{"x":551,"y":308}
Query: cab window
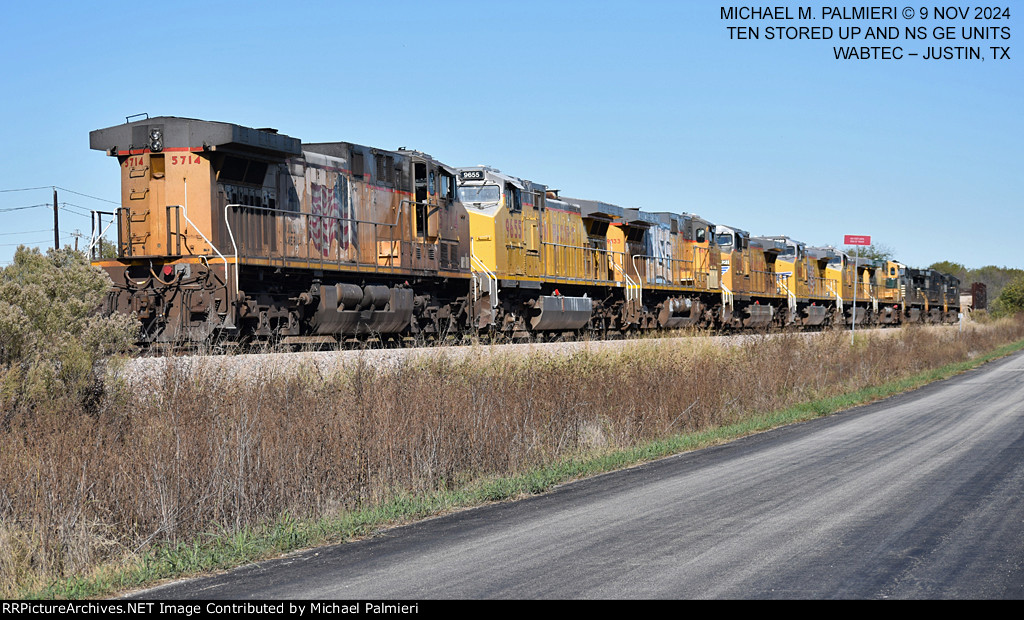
{"x":724,"y":241}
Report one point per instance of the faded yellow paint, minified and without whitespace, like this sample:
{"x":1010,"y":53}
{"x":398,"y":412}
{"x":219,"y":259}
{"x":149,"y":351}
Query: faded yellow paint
{"x":841,"y":280}
{"x":616,"y":240}
{"x":482,"y":230}
{"x":565,"y":254}
{"x":701,"y":264}
{"x":155,"y":191}
{"x":887,"y":284}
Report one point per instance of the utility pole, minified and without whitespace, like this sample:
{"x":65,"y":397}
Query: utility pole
{"x":56,"y":231}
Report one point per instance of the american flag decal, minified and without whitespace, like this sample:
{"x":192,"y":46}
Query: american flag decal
{"x":331,"y":216}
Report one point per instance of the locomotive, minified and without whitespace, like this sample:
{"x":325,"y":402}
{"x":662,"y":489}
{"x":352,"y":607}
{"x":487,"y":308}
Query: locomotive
{"x":230,"y":233}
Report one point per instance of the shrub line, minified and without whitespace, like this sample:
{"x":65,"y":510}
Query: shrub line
{"x":219,"y":549}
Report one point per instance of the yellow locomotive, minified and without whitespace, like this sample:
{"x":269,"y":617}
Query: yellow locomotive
{"x":549,"y":263}
{"x":234,"y":233}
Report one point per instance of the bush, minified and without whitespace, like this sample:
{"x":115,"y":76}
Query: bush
{"x":1011,"y":299}
{"x":53,"y":338}
{"x":197,"y":453}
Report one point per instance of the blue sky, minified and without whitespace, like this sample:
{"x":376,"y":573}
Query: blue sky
{"x":641,"y":104}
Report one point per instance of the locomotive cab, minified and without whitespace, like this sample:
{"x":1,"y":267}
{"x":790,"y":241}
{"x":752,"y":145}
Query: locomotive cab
{"x":504,"y":221}
{"x":734,"y":245}
{"x":888,"y":292}
{"x":175,"y":268}
{"x":696,"y":259}
{"x":839,"y":271}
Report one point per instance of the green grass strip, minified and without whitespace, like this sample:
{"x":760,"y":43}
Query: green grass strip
{"x":220,"y":549}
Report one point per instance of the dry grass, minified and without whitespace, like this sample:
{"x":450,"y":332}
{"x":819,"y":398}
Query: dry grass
{"x":193,"y":454}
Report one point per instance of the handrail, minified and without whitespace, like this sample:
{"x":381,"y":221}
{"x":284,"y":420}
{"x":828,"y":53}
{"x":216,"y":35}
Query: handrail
{"x":687,"y":270}
{"x":125,"y":223}
{"x":834,"y":290}
{"x":251,"y":211}
{"x":435,"y":206}
{"x":782,"y":279}
{"x":640,"y":283}
{"x":587,"y":252}
{"x":98,"y":215}
{"x":197,"y":229}
{"x":630,"y":284}
{"x":230,"y":322}
{"x":231,"y":235}
{"x":492,"y":280}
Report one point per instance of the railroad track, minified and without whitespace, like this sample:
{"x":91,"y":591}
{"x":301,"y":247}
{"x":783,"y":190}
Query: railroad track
{"x":248,"y":367}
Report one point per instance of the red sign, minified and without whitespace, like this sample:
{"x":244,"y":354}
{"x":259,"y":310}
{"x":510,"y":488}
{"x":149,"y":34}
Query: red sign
{"x":857,"y":240}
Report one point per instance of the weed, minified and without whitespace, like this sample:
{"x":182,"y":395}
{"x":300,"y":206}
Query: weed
{"x":201,"y":471}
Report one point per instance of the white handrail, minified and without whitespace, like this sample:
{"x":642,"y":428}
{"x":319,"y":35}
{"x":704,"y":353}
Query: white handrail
{"x":834,"y":291}
{"x":783,"y":281}
{"x":230,"y":323}
{"x":630,"y":284}
{"x":234,"y":245}
{"x":184,"y":209}
{"x":492,"y":280}
{"x":95,"y":238}
{"x":640,"y":282}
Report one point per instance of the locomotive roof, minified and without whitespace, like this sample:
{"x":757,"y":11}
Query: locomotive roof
{"x":782,"y":239}
{"x":771,"y":244}
{"x":667,"y":217}
{"x":826,"y":251}
{"x":730,"y":229}
{"x":557,"y":203}
{"x":343,"y":150}
{"x":494,"y":173}
{"x":596,"y":208}
{"x":636,"y":217}
{"x":190,"y":133}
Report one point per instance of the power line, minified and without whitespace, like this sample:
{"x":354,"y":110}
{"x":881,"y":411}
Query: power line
{"x":24,"y":232}
{"x":25,"y":207}
{"x":87,"y":195}
{"x":7,"y":245}
{"x":69,"y":207}
{"x":25,"y":189}
{"x":63,"y":189}
{"x":87,"y":212}
{"x":32,"y":243}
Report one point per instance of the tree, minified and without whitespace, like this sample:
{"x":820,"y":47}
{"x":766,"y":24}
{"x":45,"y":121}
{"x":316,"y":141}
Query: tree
{"x":1011,"y":299}
{"x":951,"y":268}
{"x":875,"y":251}
{"x":994,"y":278}
{"x":105,"y":249}
{"x":53,"y":337}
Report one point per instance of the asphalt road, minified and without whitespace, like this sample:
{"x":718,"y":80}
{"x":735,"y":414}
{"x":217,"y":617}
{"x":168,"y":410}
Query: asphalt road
{"x":918,"y":496}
